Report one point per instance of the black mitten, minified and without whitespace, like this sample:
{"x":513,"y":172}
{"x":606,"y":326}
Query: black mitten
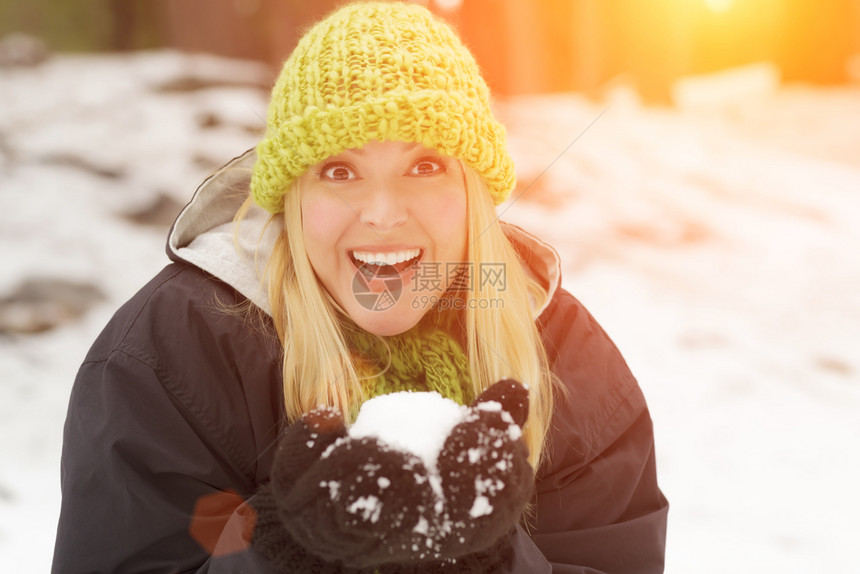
{"x":350,"y":504}
{"x":486,"y":476}
{"x":360,"y":504}
{"x":337,"y":504}
{"x":301,"y":445}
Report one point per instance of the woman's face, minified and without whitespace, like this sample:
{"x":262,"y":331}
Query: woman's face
{"x":385,"y":228}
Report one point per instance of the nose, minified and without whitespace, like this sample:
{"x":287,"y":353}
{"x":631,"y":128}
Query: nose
{"x":384,"y":208}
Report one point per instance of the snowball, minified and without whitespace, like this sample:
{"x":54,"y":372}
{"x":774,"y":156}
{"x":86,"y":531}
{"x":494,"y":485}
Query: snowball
{"x":481,"y":507}
{"x":368,"y":506}
{"x":489,"y":406}
{"x":423,"y":527}
{"x":333,"y":488}
{"x":475,"y":454}
{"x":415,"y":422}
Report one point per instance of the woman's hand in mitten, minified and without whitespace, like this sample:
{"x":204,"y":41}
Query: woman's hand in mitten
{"x":354,"y":502}
{"x":301,"y":444}
{"x":486,"y":476}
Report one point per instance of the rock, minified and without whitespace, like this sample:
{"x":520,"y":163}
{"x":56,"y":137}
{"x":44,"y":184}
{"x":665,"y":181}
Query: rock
{"x":41,"y":304}
{"x":191,"y":82}
{"x":85,"y":164}
{"x":160,"y":212}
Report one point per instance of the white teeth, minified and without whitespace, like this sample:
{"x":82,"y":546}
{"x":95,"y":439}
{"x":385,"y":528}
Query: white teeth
{"x":386,"y":258}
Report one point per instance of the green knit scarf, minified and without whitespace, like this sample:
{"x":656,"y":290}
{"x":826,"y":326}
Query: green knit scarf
{"x":425,"y":358}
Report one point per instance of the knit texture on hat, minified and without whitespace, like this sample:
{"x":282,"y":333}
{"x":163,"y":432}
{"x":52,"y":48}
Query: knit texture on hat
{"x":378,"y":71}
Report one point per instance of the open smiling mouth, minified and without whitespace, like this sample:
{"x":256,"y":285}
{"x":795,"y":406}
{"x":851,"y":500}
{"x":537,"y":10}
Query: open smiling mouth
{"x":380,"y":265}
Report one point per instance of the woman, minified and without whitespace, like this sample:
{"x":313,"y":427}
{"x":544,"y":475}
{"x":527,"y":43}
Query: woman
{"x":355,"y":252}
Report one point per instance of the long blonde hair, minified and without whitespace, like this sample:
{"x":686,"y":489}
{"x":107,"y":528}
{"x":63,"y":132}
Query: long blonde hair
{"x":501,"y":339}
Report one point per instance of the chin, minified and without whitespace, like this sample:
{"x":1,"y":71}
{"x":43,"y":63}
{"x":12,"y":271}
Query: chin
{"x":386,"y":323}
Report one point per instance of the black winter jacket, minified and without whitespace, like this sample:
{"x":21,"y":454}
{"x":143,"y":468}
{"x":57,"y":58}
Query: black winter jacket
{"x":176,"y":409}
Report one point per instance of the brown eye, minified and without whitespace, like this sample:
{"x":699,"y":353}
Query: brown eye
{"x":428,"y":166}
{"x":337,"y":172}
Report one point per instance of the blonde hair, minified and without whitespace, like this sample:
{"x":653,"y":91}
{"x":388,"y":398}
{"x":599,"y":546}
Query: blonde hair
{"x":501,"y":340}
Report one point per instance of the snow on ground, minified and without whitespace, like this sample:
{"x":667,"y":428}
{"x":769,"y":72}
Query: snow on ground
{"x":716,"y":245}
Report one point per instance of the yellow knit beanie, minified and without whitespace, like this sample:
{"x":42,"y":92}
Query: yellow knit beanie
{"x":378,"y":71}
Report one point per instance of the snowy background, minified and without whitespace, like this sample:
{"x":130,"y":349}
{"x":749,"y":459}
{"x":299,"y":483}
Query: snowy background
{"x":716,"y":241}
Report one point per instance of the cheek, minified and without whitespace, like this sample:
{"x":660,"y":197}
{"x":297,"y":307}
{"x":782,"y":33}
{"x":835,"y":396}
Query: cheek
{"x":448,"y":217}
{"x":314,"y":220}
{"x":322,"y":224}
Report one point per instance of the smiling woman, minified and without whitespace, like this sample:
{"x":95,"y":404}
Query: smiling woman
{"x":356,"y":252}
{"x":388,"y":209}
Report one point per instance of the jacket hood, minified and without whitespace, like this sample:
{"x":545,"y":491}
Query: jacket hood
{"x":204,"y":235}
